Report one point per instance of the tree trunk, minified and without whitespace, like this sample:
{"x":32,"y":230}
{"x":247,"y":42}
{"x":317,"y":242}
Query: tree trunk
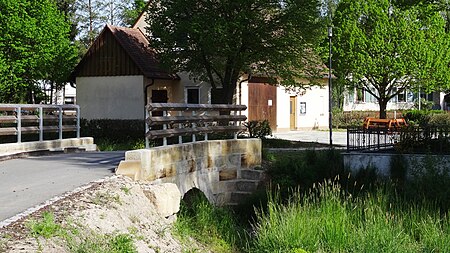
{"x":383,"y":105}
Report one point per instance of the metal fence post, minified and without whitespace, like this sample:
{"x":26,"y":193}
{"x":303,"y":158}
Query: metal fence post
{"x":60,"y":130}
{"x":165,"y":127}
{"x":147,"y":143}
{"x":206,"y":134}
{"x":193,"y":126}
{"x":78,"y":121}
{"x":19,"y":124}
{"x":41,"y":124}
{"x":180,"y":138}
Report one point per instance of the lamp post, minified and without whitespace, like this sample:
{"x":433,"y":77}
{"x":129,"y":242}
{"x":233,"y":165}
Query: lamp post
{"x":330,"y":116}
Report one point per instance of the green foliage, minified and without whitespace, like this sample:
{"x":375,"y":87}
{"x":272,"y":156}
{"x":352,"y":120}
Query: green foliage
{"x":96,"y":243}
{"x":122,"y":130}
{"x":424,"y":118}
{"x":215,"y":227}
{"x":429,"y":182}
{"x":45,"y":227}
{"x":129,"y":15}
{"x":258,"y":129}
{"x":218,"y":41}
{"x":303,"y":169}
{"x":34,"y":46}
{"x":385,"y":49}
{"x":329,"y":220}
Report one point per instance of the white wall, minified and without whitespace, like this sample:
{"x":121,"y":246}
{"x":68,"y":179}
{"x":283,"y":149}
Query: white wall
{"x":186,"y":82}
{"x":316,"y":100}
{"x":112,"y":97}
{"x":316,"y":115}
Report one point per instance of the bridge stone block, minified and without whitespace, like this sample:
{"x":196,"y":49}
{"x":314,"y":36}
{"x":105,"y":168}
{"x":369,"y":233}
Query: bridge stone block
{"x":165,"y":197}
{"x":227,"y":174}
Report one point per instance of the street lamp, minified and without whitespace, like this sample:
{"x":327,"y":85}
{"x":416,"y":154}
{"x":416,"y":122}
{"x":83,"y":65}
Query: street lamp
{"x":330,"y":34}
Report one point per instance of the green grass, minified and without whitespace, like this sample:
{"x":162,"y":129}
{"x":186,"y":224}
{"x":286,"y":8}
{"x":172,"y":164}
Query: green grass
{"x":45,"y":227}
{"x":216,"y":228}
{"x":96,"y":243}
{"x":329,"y":220}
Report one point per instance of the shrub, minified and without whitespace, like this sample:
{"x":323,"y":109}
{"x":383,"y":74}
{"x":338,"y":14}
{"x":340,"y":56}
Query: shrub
{"x":305,"y":168}
{"x":421,"y":117}
{"x":117,"y":130}
{"x":258,"y":129}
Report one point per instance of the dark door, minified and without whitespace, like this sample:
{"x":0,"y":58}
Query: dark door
{"x":159,"y":96}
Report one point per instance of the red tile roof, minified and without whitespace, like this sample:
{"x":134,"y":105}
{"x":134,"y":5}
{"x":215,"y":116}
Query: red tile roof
{"x":138,"y":48}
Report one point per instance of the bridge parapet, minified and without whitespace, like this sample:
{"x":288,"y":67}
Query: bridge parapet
{"x":224,"y":170}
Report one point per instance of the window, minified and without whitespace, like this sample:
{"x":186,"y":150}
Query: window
{"x":193,"y":96}
{"x":69,"y":100}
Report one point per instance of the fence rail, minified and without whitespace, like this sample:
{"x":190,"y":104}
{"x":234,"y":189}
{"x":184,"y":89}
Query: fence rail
{"x":164,"y":120}
{"x":21,"y":119}
{"x":415,"y":138}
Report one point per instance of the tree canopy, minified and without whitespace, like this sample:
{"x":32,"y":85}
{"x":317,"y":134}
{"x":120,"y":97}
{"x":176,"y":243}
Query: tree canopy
{"x":219,"y":41}
{"x":34,"y":46}
{"x":386,"y":49}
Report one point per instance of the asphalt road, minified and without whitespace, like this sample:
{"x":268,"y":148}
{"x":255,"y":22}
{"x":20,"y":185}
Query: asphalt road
{"x":27,"y":182}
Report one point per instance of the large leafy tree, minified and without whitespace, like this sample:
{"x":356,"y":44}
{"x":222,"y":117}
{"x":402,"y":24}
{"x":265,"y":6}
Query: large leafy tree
{"x":385,"y":49}
{"x":219,"y":41}
{"x":34,"y":46}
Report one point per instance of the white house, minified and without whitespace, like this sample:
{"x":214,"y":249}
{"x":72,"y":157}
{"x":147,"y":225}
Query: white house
{"x":120,"y":74}
{"x":362,"y":100}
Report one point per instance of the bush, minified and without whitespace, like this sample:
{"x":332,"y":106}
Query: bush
{"x":421,"y":117}
{"x":356,"y":118}
{"x":303,"y":169}
{"x":258,"y":129}
{"x":116,"y":130}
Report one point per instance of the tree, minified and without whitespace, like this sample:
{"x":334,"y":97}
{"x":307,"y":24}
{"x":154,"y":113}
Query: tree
{"x":219,"y":41}
{"x":384,"y":49}
{"x":34,"y":46}
{"x":131,"y":13}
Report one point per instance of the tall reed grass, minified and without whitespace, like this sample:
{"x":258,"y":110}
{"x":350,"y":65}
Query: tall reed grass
{"x":330,"y":220}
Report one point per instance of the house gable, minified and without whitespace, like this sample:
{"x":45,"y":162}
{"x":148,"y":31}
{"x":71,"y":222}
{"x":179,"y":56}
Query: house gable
{"x":120,"y":51}
{"x":106,"y":57}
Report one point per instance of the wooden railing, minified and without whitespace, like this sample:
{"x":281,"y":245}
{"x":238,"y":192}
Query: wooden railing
{"x":164,"y":120}
{"x":26,"y":119}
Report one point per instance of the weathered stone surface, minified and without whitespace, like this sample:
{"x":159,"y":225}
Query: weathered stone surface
{"x":86,"y":142}
{"x":165,"y":197}
{"x":129,"y":168}
{"x":252,"y":174}
{"x":229,"y":174}
{"x":202,"y":165}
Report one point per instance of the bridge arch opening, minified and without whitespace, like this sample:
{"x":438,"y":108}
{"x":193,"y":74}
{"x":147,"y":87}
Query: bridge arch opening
{"x":193,"y":197}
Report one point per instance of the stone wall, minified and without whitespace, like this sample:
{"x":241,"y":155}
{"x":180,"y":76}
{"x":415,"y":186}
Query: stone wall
{"x":221,"y":169}
{"x":86,"y":143}
{"x":381,"y":162}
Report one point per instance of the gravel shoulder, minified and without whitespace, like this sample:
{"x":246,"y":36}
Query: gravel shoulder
{"x":115,"y":206}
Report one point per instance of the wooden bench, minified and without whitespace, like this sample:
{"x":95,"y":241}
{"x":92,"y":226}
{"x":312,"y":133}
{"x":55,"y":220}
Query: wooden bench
{"x":374,"y":123}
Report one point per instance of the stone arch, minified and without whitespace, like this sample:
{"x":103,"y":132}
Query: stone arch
{"x":191,"y":195}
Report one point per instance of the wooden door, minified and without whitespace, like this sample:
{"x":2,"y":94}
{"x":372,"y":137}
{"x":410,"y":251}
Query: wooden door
{"x":262,"y":103}
{"x":292,"y":112}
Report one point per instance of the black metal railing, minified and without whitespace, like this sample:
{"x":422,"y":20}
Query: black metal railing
{"x":407,"y":139}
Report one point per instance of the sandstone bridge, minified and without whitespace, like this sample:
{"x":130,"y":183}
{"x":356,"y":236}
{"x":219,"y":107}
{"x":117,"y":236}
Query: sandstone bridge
{"x":226,"y":171}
